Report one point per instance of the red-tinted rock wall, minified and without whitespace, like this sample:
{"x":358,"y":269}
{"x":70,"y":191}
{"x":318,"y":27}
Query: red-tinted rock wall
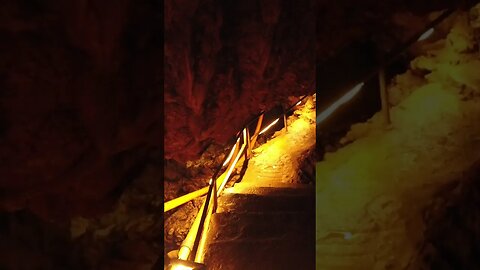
{"x":225,"y":61}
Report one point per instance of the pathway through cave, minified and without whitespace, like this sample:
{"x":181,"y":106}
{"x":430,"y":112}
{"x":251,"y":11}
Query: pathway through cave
{"x":266,"y":220}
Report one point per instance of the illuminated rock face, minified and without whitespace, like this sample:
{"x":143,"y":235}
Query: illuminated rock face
{"x":386,"y":188}
{"x":226,"y":61}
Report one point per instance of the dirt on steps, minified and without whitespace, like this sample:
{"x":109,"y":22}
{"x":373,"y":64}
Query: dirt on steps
{"x":263,"y":228}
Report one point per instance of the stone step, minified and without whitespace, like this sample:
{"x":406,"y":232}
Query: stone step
{"x":274,"y":202}
{"x":275,"y":254}
{"x":259,"y":177}
{"x":263,"y":225}
{"x":272,"y":188}
{"x":269,"y":169}
{"x":269,"y":172}
{"x":275,"y":184}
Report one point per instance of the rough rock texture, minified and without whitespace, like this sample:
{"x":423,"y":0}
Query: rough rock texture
{"x":385,"y":23}
{"x":80,"y":101}
{"x":227,"y":60}
{"x":130,"y":236}
{"x":376,"y":188}
{"x":352,"y":38}
{"x":453,"y":226}
{"x":127,"y":238}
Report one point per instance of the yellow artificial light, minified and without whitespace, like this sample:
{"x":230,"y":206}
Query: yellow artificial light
{"x":181,"y":267}
{"x":426,"y":35}
{"x":184,"y":199}
{"x":231,"y":154}
{"x":269,"y":126}
{"x":349,"y":95}
{"x":230,"y":169}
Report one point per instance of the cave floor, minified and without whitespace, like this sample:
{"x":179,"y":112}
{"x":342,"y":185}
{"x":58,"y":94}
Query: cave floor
{"x":266,"y":221}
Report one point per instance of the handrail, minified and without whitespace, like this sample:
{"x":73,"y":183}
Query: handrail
{"x":296,"y":104}
{"x":194,"y":242}
{"x":188,"y":243}
{"x":174,"y":203}
{"x":391,"y":56}
{"x":184,"y":199}
{"x":394,"y":54}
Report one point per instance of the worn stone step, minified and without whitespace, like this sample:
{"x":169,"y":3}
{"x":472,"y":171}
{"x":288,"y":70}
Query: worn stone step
{"x":275,"y":185}
{"x":269,"y":188}
{"x":258,"y":177}
{"x":275,"y":254}
{"x":274,"y":203}
{"x":269,"y":170}
{"x":263,"y":225}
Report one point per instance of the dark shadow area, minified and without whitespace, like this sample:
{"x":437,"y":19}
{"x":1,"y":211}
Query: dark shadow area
{"x":336,"y":76}
{"x":453,"y":225}
{"x":243,"y":170}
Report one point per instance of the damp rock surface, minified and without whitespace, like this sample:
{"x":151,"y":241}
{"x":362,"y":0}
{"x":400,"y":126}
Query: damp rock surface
{"x":373,"y":193}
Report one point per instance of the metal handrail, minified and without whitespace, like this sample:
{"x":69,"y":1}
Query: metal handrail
{"x":196,"y":236}
{"x":394,"y":54}
{"x":174,"y":203}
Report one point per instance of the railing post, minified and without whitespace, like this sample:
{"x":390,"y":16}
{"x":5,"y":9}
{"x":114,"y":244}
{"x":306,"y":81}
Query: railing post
{"x":257,"y":130}
{"x":249,"y":145}
{"x":246,"y":152}
{"x":215,"y":195}
{"x":201,"y":236}
{"x":246,"y":141}
{"x":234,"y":153}
{"x":285,"y":119}
{"x":384,"y":96}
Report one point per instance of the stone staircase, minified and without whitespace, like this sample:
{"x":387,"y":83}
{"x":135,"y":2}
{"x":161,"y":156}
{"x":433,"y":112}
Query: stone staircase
{"x":266,"y":226}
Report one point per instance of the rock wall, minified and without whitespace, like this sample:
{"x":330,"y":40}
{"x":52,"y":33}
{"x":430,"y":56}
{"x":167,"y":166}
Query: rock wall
{"x":80,"y":101}
{"x":385,"y":23}
{"x":227,"y":60}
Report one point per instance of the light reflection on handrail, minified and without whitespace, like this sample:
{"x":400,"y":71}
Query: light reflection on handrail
{"x":269,"y":126}
{"x":427,"y":34}
{"x":231,"y":154}
{"x":245,"y":135}
{"x":231,"y":168}
{"x":345,"y":98}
